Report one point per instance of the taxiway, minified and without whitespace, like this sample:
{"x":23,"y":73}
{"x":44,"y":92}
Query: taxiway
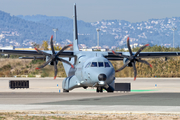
{"x":149,"y":95}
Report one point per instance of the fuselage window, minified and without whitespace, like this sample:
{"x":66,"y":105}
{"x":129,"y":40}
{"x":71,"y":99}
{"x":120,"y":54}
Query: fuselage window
{"x":94,"y":64}
{"x":107,"y":64}
{"x":100,"y":64}
{"x":88,"y":65}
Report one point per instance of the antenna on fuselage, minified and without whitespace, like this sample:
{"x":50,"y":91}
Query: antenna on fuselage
{"x":75,"y":31}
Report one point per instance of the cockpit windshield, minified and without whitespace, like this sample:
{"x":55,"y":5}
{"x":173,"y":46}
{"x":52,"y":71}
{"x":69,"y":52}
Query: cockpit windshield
{"x":107,"y":64}
{"x":94,"y":64}
{"x":98,"y":64}
{"x":88,"y":65}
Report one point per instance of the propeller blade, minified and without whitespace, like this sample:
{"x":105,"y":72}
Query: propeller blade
{"x":41,"y":52}
{"x":135,"y":71}
{"x":65,"y":47}
{"x":65,"y":61}
{"x":124,"y":56}
{"x":55,"y":69}
{"x":141,"y":49}
{"x":52,"y":47}
{"x":123,"y":66}
{"x":145,"y":62}
{"x":128,"y":45}
{"x":44,"y":64}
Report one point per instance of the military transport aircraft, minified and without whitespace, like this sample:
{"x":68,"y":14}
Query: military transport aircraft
{"x":86,"y":68}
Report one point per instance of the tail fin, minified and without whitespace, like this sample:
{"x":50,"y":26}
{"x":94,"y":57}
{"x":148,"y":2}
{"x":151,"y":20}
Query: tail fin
{"x":75,"y":31}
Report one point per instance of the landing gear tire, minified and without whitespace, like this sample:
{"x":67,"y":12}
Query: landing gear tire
{"x":99,"y":89}
{"x":65,"y":91}
{"x":109,"y":89}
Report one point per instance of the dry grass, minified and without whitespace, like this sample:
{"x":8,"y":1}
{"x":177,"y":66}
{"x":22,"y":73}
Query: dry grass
{"x":85,"y":116}
{"x":18,"y":67}
{"x":161,"y":68}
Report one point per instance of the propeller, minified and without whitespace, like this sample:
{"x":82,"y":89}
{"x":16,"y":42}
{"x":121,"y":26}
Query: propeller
{"x":54,"y":57}
{"x":132,"y":58}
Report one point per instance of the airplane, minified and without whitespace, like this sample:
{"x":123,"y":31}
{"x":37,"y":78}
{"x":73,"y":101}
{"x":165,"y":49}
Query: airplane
{"x":88,"y":68}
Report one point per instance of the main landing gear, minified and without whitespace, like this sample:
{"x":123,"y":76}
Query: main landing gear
{"x":99,"y":89}
{"x":109,"y":89}
{"x":65,"y":91}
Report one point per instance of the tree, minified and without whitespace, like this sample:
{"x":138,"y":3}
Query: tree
{"x":35,"y":45}
{"x":57,"y":47}
{"x":45,"y":45}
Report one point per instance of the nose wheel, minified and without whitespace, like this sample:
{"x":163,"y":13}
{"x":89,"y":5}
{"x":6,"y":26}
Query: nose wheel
{"x":99,"y":89}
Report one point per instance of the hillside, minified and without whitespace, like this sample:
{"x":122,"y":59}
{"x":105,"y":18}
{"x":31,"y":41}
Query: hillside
{"x":87,"y":32}
{"x":20,"y":31}
{"x":115,"y":32}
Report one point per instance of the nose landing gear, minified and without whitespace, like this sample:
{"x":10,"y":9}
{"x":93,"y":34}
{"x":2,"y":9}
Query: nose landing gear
{"x":99,"y":89}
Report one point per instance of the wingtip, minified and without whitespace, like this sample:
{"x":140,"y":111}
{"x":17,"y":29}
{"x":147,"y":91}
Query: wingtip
{"x":37,"y":68}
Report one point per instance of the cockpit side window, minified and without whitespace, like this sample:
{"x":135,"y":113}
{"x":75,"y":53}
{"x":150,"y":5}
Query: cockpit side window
{"x":107,"y":64}
{"x":110,"y":64}
{"x":88,"y":65}
{"x":94,"y":64}
{"x":100,"y":64}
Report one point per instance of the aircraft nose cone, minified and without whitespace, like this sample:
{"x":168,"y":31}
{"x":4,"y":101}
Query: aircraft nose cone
{"x":102,"y":77}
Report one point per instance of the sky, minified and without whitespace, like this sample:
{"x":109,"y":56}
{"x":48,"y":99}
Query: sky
{"x":95,"y":10}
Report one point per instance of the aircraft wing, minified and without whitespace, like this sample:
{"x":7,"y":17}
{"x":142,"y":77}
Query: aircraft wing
{"x":34,"y":53}
{"x":111,"y":56}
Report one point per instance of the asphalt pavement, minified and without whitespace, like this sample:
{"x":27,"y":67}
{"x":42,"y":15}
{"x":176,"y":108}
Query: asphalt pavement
{"x":149,"y":95}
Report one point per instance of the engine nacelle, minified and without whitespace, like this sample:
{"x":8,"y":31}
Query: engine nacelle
{"x":125,"y":60}
{"x":110,"y":87}
{"x":51,"y":63}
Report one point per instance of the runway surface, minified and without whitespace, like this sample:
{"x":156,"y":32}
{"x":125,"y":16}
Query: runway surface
{"x":149,"y":95}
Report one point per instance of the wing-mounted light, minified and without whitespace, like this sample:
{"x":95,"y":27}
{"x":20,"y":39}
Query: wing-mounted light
{"x":131,"y":59}
{"x":53,"y":58}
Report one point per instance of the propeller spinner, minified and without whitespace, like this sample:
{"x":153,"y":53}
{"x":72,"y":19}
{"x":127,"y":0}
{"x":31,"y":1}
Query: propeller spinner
{"x":54,"y":57}
{"x":132,"y":58}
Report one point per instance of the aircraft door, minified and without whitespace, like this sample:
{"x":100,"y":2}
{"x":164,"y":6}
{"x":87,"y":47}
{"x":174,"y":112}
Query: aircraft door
{"x":86,"y":72}
{"x":86,"y":77}
{"x":81,"y":74}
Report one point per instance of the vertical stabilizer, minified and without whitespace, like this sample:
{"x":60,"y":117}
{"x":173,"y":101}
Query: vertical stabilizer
{"x":75,"y":31}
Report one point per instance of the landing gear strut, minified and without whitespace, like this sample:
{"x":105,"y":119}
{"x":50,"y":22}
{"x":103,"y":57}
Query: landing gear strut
{"x":65,"y":91}
{"x":99,"y":89}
